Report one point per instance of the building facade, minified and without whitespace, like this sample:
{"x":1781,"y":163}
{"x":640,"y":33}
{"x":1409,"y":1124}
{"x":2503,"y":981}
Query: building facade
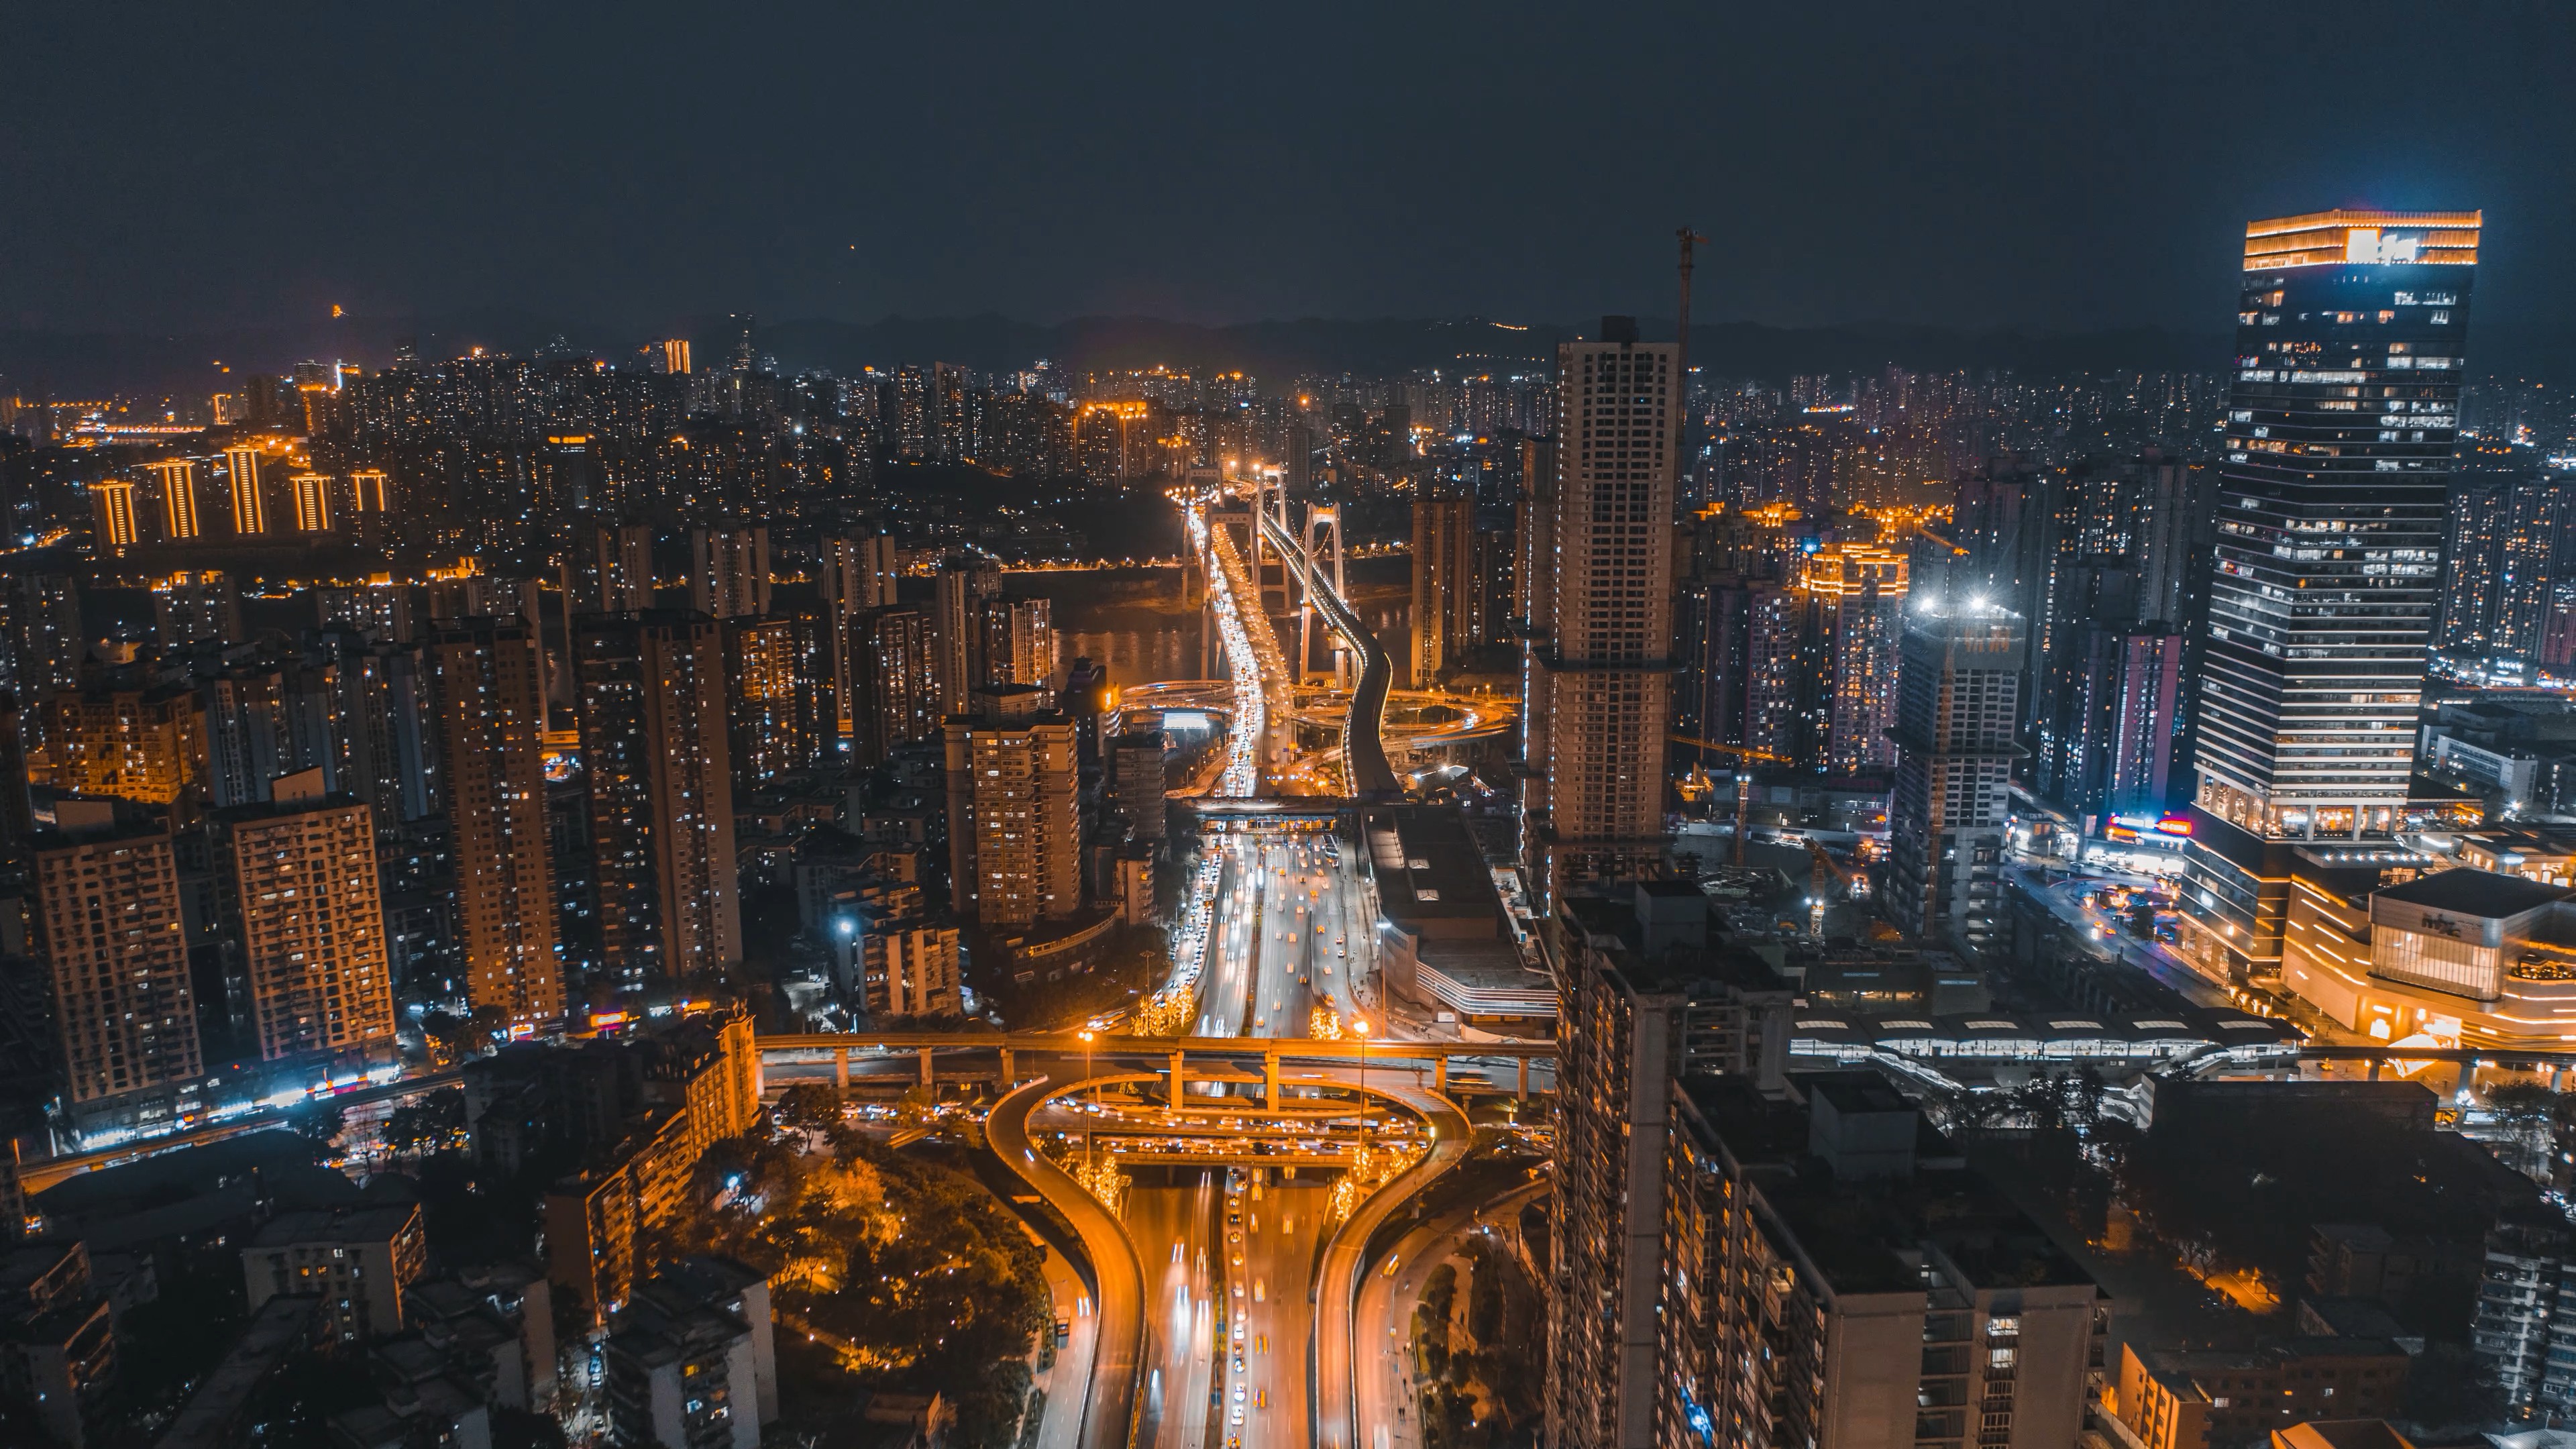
{"x":2352,"y":328}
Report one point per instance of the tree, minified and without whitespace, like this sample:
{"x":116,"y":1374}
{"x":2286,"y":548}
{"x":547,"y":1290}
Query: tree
{"x":811,"y":1104}
{"x":318,"y":1121}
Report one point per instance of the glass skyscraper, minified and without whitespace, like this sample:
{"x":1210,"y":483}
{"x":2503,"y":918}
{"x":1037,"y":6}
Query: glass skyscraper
{"x":2352,"y":329}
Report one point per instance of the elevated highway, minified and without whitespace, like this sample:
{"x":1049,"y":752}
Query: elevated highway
{"x":1364,"y":725}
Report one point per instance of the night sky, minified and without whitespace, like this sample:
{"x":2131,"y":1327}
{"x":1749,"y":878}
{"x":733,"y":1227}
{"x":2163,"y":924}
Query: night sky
{"x":2048,"y":166}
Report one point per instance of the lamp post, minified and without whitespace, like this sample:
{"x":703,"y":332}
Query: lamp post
{"x":1360,"y":1027}
{"x":1087,"y":1037}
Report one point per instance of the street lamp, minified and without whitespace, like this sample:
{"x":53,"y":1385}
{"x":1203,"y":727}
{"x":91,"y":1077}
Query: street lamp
{"x":1087,"y":1037}
{"x":1359,"y":1026}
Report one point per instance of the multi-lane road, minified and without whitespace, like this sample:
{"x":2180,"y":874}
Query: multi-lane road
{"x":1289,"y":936}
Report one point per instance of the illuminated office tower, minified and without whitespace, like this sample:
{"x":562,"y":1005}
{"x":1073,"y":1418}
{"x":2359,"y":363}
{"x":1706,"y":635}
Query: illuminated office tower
{"x":1016,"y":643}
{"x":653,"y":740}
{"x":301,"y":893}
{"x":250,"y":510}
{"x":116,"y":953}
{"x":1448,"y":585}
{"x":1015,"y":819}
{"x":116,"y":524}
{"x":312,"y":502}
{"x":675,"y":356}
{"x":487,"y":696}
{"x":729,"y":571}
{"x":2352,"y":328}
{"x":893,"y":672}
{"x":200,"y":607}
{"x":1958,"y":699}
{"x":1854,"y":597}
{"x":1596,"y":688}
{"x":176,"y":479}
{"x":615,"y":569}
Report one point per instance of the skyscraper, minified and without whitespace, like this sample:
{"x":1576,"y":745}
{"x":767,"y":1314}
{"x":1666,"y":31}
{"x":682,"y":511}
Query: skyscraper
{"x":654,"y":742}
{"x":1448,"y":584}
{"x":107,"y":902}
{"x":1595,"y":687}
{"x":488,"y":698}
{"x":2352,"y":328}
{"x":1957,"y":699}
{"x":299,"y":886}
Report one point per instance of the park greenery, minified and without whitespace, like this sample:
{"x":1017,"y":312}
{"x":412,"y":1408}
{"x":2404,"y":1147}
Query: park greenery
{"x":910,"y":1275}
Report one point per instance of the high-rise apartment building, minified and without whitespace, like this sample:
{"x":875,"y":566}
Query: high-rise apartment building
{"x":1016,"y":642}
{"x":965,"y":584}
{"x":2511,"y":542}
{"x":2352,"y":328}
{"x":892,"y":668}
{"x":118,"y":530}
{"x":1646,"y":1002}
{"x":654,"y":743}
{"x":116,"y":954}
{"x":1958,"y":694}
{"x":778,"y":695}
{"x":487,"y":695}
{"x":1014,"y":819}
{"x":613,"y":565}
{"x":1853,"y":595}
{"x":301,"y":892}
{"x":46,"y":643}
{"x":250,"y":505}
{"x":203,"y":607}
{"x":146,"y":745}
{"x":175,"y":479}
{"x":1818,"y":1284}
{"x":861,"y":572}
{"x":729,"y":571}
{"x":1448,"y":585}
{"x":312,"y":494}
{"x":1596,"y":688}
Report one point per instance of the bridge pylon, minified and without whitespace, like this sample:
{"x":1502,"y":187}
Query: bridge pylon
{"x":1323,"y":550}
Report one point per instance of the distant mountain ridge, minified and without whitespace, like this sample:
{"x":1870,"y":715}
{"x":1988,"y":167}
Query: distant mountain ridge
{"x":73,"y":364}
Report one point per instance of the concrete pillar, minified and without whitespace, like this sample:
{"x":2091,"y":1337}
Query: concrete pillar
{"x":1270,"y":1078}
{"x":841,"y":1069}
{"x":1178,"y":1076}
{"x":1440,"y":1074}
{"x":1520,"y":1090}
{"x":1010,"y":1077}
{"x":2374,"y":1068}
{"x":926,"y":1077}
{"x":2468,"y":1075}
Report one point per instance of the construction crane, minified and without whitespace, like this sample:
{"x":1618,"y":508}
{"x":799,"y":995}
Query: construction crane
{"x":1743,"y":781}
